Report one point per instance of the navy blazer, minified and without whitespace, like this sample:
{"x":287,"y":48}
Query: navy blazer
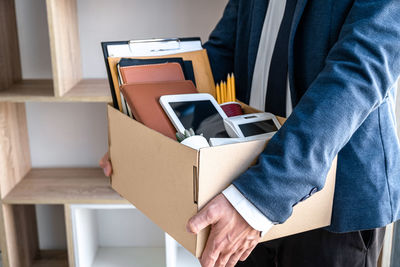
{"x":344,"y":60}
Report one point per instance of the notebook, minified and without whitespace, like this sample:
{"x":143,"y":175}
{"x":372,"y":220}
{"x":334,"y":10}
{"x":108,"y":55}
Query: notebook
{"x":143,"y":100}
{"x":152,"y":73}
{"x":186,"y":65}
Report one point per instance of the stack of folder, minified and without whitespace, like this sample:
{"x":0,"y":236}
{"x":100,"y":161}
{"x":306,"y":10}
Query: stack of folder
{"x":133,"y":71}
{"x":142,"y":71}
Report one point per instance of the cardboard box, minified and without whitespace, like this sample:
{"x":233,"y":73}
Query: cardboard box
{"x":170,"y":182}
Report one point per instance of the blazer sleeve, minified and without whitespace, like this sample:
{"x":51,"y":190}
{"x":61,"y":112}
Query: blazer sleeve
{"x":359,"y":72}
{"x":221,"y":44}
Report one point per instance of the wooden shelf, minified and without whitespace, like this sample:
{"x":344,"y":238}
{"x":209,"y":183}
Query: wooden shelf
{"x":28,"y":90}
{"x":51,"y":258}
{"x":64,"y":186}
{"x":87,"y":90}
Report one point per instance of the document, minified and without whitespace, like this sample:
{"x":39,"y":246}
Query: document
{"x":154,"y":47}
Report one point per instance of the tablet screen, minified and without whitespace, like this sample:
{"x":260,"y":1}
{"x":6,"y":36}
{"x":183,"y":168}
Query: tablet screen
{"x":201,"y":116}
{"x":259,"y":127}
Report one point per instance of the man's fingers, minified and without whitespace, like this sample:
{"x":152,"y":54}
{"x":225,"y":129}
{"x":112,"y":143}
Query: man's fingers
{"x":102,"y":163}
{"x":227,"y":253}
{"x":107,"y":169}
{"x":235,"y":258}
{"x":230,"y":235}
{"x":211,"y":252}
{"x":209,"y":261}
{"x":223,"y":259}
{"x":207,"y":216}
{"x":247,"y":253}
{"x":105,"y":164}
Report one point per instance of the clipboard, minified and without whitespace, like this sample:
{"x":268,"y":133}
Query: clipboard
{"x":142,"y":49}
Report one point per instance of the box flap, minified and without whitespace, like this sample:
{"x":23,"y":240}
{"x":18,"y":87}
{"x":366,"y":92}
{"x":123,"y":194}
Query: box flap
{"x":154,"y":173}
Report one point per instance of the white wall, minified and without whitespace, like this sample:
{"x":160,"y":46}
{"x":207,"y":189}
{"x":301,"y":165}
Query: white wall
{"x":67,"y":134}
{"x":130,"y":229}
{"x":105,"y":20}
{"x":33,"y":39}
{"x":75,"y":134}
{"x":51,"y":226}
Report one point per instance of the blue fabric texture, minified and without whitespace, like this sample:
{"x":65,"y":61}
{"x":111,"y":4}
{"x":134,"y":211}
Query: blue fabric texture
{"x":344,"y":60}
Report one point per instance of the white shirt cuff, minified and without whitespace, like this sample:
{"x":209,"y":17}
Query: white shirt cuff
{"x":247,"y":210}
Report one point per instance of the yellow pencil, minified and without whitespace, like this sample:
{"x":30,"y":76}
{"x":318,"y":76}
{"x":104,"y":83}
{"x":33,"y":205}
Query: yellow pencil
{"x":218,"y":91}
{"x":233,"y":87}
{"x":221,"y":90}
{"x":228,"y":89}
{"x":223,"y":94}
{"x":226,"y":92}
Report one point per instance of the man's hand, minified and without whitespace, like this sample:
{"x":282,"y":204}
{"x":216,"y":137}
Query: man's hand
{"x":105,"y":163}
{"x":231,"y":238}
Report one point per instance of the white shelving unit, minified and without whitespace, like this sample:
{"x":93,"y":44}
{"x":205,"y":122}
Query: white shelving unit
{"x":135,"y":257}
{"x":121,"y":236}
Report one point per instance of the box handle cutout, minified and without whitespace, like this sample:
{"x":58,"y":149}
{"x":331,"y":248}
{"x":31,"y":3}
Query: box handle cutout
{"x":195,"y":185}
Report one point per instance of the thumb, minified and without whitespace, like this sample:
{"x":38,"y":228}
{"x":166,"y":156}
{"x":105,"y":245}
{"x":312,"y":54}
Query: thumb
{"x":207,"y":216}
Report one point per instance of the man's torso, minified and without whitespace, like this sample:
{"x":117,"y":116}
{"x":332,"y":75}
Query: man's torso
{"x":368,"y":178}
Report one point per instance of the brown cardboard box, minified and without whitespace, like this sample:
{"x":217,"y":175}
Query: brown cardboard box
{"x":170,"y":182}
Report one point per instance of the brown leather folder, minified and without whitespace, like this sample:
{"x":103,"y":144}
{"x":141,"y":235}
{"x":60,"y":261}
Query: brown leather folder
{"x":143,"y":99}
{"x":152,"y":73}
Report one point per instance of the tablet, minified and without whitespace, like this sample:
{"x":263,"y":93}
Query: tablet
{"x":252,"y":126}
{"x":200,"y":112}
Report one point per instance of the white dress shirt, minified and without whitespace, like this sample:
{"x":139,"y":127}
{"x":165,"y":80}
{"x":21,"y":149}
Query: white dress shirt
{"x":269,"y":35}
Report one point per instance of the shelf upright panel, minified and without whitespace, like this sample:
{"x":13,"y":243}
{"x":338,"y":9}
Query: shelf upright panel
{"x":19,"y":240}
{"x":15,"y":160}
{"x":10,"y":63}
{"x":21,"y":236}
{"x":62,"y":18}
{"x":70,"y":237}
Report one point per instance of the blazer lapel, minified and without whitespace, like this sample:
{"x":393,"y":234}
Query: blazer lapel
{"x":301,"y":5}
